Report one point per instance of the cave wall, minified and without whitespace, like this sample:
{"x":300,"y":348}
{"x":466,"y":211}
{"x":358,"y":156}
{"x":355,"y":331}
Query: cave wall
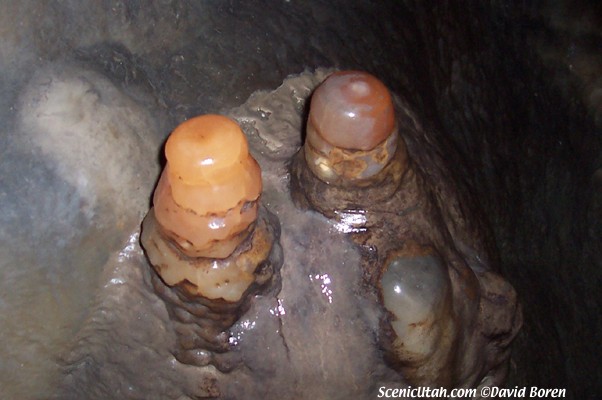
{"x":526,"y":135}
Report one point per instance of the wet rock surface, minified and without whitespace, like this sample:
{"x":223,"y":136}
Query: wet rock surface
{"x":396,"y":217}
{"x":517,"y":133}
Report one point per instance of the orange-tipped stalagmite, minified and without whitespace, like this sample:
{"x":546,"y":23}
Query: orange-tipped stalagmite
{"x":210,"y":242}
{"x":207,"y":195}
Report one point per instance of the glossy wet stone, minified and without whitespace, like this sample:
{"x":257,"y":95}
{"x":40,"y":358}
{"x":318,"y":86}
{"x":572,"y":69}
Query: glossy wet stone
{"x":399,"y":215}
{"x":416,"y":291}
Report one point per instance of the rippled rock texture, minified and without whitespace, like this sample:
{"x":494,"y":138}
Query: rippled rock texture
{"x":506,"y":96}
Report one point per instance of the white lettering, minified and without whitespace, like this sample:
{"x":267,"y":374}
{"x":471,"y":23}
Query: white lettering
{"x":469,"y":393}
{"x":503,"y":392}
{"x":554,"y":393}
{"x":461,"y":393}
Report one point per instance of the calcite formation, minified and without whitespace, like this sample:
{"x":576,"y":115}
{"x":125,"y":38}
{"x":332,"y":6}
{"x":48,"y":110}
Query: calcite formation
{"x":445,"y":323}
{"x":356,"y":267}
{"x":210,"y":243}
